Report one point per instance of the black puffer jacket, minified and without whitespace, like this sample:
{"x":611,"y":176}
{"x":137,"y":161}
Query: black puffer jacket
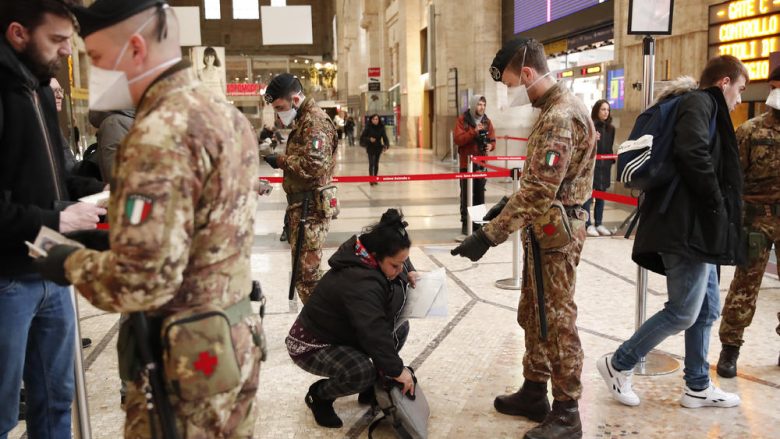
{"x":703,"y":221}
{"x":378,"y":133}
{"x":355,"y":305}
{"x":602,"y":175}
{"x":32,"y":176}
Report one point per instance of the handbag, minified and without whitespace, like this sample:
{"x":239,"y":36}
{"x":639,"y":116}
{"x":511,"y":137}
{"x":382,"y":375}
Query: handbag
{"x":407,"y":414}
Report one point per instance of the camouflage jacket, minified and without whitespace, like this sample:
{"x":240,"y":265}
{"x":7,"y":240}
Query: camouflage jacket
{"x":759,"y":156}
{"x":182,"y":209}
{"x":559,"y":165}
{"x":311,"y":147}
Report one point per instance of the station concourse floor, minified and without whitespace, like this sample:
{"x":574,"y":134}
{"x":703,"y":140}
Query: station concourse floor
{"x":464,"y":360}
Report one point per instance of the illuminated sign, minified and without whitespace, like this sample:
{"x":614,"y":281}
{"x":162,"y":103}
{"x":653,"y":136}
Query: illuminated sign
{"x":748,"y":30}
{"x":532,"y":13}
{"x":567,"y":74}
{"x":615,"y":90}
{"x":243,"y":89}
{"x":590,"y":70}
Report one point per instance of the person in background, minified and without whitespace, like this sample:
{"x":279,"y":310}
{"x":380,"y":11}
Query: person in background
{"x":112,"y":127}
{"x":374,"y":139}
{"x":602,"y":175}
{"x":59,"y":97}
{"x":759,"y":157}
{"x":349,"y":331}
{"x":339,"y":122}
{"x":349,"y":129}
{"x":211,"y":74}
{"x":474,"y":134}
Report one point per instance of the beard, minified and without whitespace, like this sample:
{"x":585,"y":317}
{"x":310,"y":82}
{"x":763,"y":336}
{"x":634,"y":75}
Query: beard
{"x":40,"y":67}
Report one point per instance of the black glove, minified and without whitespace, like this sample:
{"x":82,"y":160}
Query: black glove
{"x":272,"y":160}
{"x":473,"y":247}
{"x":92,"y":239}
{"x":52,"y":267}
{"x":495,"y":210}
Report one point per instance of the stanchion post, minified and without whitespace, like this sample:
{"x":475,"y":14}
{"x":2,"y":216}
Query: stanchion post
{"x":514,"y":282}
{"x":82,"y":429}
{"x":654,"y":363}
{"x":469,"y":196}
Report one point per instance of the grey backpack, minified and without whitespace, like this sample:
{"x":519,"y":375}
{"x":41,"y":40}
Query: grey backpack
{"x":407,"y":414}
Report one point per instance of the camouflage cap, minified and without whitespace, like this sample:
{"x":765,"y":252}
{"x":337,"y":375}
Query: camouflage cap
{"x":504,"y":55}
{"x":281,"y":86}
{"x":105,"y":13}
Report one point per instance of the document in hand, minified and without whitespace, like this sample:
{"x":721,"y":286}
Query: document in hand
{"x":476,"y":213}
{"x":46,"y":239}
{"x":428,"y":298}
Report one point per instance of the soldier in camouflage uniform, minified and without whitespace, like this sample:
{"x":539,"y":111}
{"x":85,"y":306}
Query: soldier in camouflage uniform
{"x":308,"y":166}
{"x":759,"y":156}
{"x":181,"y":214}
{"x":556,"y":180}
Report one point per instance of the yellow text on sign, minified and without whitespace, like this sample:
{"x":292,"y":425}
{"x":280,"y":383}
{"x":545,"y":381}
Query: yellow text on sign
{"x":758,"y":70}
{"x":751,"y":28}
{"x":748,"y":8}
{"x":759,"y":48}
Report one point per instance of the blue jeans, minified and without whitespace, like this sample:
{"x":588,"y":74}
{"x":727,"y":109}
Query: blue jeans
{"x":598,"y":211}
{"x":37,"y":341}
{"x":694,"y":304}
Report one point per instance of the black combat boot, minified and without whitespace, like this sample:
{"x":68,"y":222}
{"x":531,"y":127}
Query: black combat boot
{"x":367,"y":397}
{"x":727,"y":363}
{"x":530,"y":402}
{"x":563,"y":422}
{"x":322,"y":408}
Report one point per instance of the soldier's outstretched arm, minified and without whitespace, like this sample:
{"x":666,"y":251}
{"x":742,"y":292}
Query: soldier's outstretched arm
{"x":315,"y":161}
{"x":151,"y":228}
{"x":543,"y":173}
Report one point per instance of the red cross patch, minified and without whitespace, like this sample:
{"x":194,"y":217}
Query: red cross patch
{"x":206,"y":363}
{"x":548,"y":229}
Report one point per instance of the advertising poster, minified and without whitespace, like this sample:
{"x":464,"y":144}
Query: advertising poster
{"x":209,"y":65}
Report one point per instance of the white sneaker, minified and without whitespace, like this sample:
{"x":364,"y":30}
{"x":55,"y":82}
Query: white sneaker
{"x":592,"y":231}
{"x":709,"y":397}
{"x":603,"y":231}
{"x":618,"y":382}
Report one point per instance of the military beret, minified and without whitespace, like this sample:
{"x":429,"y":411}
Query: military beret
{"x":280,"y":87}
{"x":775,"y":75}
{"x":503,"y":56}
{"x":105,"y":13}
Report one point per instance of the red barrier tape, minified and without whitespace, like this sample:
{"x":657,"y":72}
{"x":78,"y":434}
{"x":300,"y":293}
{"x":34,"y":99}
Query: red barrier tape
{"x":409,"y":177}
{"x":622,"y":199}
{"x":491,"y":158}
{"x":519,"y":139}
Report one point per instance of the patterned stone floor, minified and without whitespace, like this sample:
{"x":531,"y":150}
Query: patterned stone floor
{"x":472,"y":355}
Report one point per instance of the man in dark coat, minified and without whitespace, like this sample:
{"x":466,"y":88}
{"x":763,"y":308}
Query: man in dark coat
{"x":700,"y":229}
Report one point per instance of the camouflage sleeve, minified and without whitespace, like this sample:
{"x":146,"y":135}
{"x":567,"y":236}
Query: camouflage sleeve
{"x":550,"y":151}
{"x":743,"y":143}
{"x":151,"y":215}
{"x":314,"y":161}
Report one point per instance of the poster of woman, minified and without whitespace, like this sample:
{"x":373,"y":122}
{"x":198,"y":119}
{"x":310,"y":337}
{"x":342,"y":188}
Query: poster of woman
{"x":209,"y":64}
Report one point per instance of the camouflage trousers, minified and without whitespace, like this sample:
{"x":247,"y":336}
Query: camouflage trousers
{"x":741,"y":300}
{"x":230,"y":414}
{"x":559,"y":356}
{"x":315,"y":232}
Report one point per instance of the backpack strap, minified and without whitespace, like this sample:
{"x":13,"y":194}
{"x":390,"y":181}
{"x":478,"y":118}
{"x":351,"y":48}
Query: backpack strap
{"x":373,"y":426}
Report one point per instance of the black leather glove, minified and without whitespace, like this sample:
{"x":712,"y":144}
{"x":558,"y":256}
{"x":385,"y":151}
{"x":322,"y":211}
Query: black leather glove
{"x":92,"y":239}
{"x":52,"y":267}
{"x":495,"y":210}
{"x":272,"y":160}
{"x":473,"y":247}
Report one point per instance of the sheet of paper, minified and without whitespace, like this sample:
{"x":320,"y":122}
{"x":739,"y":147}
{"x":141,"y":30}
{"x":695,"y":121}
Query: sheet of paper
{"x":477,"y":213}
{"x":421,"y":299}
{"x":48,"y":238}
{"x":98,"y":199}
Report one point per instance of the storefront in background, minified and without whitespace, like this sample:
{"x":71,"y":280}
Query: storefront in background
{"x":750,"y":31}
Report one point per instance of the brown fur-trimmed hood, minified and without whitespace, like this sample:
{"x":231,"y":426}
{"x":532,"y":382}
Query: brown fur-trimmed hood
{"x":681,"y":85}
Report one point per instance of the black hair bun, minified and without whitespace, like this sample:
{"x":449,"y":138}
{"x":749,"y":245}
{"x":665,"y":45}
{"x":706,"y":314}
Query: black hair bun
{"x":393,"y":217}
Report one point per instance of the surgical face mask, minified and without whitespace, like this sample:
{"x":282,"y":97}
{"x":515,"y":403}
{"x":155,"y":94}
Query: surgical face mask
{"x":110,"y":89}
{"x":287,"y":116}
{"x":774,"y":99}
{"x":518,"y":96}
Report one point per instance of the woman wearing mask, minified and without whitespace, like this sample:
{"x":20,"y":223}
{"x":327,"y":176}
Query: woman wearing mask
{"x":605,"y":135}
{"x":349,"y":330}
{"x":374,"y":139}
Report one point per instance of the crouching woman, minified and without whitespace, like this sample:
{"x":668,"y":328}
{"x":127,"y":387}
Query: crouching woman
{"x":349,"y":331}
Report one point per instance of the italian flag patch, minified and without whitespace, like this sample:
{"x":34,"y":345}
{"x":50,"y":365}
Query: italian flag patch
{"x":137,"y":209}
{"x":552,"y":158}
{"x":316,"y":144}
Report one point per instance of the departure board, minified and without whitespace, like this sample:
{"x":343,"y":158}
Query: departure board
{"x":532,"y":13}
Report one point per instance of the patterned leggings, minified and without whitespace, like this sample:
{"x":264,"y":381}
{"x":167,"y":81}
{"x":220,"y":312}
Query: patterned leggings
{"x":350,"y":370}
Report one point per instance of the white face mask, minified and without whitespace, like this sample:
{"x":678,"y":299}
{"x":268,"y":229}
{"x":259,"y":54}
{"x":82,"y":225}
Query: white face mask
{"x":287,"y":116}
{"x":110,"y":89}
{"x":518,"y":96}
{"x":774,"y":99}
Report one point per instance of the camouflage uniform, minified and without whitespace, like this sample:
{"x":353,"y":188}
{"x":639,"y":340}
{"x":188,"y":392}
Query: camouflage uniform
{"x":308,"y":165}
{"x":759,"y":155}
{"x":181,"y":214}
{"x":561,"y":157}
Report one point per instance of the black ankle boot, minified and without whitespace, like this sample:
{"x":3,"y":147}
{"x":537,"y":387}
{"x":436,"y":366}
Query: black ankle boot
{"x":367,"y":396}
{"x":530,"y":401}
{"x":727,"y":363}
{"x":322,"y":408}
{"x":563,"y":422}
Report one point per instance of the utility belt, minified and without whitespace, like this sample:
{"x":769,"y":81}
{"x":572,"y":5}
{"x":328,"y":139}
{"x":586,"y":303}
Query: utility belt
{"x":756,"y":210}
{"x":195,"y":347}
{"x":324,"y":199}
